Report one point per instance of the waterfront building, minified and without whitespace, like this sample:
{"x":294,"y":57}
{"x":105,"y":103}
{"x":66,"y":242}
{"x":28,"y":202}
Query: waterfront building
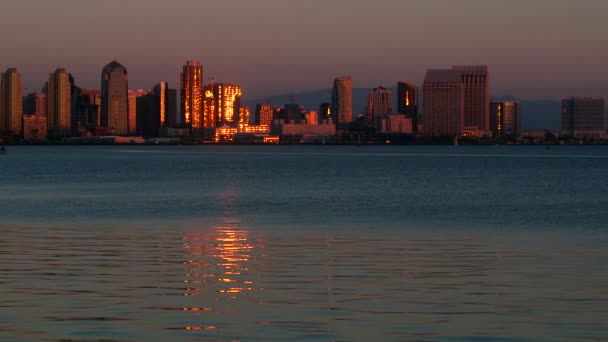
{"x":59,"y":104}
{"x":90,"y":103}
{"x":11,"y":102}
{"x":227,"y":104}
{"x":342,"y":100}
{"x":35,"y":104}
{"x":34,"y":127}
{"x":115,"y":99}
{"x":133,"y":96}
{"x":476,"y":85}
{"x":407,"y":102}
{"x":264,"y":114}
{"x":443,"y":98}
{"x":504,"y":118}
{"x":379,"y":104}
{"x":209,"y":107}
{"x":191,"y":86}
{"x":312,"y":118}
{"x":325,"y":114}
{"x":244,"y":115}
{"x":396,"y":124}
{"x":583,"y":116}
{"x":153,"y":109}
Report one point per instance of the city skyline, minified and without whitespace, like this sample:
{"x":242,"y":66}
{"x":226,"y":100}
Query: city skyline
{"x":524,"y":48}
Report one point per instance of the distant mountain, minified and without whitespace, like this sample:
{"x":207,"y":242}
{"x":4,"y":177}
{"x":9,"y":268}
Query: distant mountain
{"x":536,"y":114}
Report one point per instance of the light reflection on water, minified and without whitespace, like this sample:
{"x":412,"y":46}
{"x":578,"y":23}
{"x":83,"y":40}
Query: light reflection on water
{"x":235,"y":283}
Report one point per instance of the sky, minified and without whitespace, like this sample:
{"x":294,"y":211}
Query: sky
{"x":535,"y":49}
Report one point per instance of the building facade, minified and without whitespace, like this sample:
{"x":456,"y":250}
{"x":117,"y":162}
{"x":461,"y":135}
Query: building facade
{"x":11,"y":102}
{"x":476,"y":84}
{"x":379,"y":104}
{"x":443,"y":97}
{"x":115,"y":98}
{"x":35,"y":104}
{"x":583,"y":116}
{"x":325,"y":114}
{"x":504,"y":118}
{"x":264,"y":113}
{"x":226,"y":104}
{"x":342,"y":100}
{"x":34,"y":127}
{"x":59,"y":104}
{"x":407,"y":102}
{"x":191,"y":87}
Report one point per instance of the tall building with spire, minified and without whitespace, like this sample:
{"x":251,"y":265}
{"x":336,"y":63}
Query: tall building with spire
{"x":443,"y":97}
{"x":114,"y":98}
{"x":59,"y":104}
{"x":191,"y":85}
{"x":11,"y":102}
{"x":407,"y":102}
{"x":342,"y":100}
{"x":379,"y":103}
{"x":476,"y":83}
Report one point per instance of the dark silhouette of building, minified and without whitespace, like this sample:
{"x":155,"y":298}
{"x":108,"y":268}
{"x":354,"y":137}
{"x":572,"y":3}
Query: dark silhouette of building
{"x":342,"y":100}
{"x":407,"y":102}
{"x":504,"y":118}
{"x":115,"y":99}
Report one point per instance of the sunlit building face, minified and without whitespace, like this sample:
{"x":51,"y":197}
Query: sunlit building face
{"x":192,"y":94}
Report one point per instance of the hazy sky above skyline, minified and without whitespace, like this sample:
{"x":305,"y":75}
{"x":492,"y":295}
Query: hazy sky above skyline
{"x":534,"y":48}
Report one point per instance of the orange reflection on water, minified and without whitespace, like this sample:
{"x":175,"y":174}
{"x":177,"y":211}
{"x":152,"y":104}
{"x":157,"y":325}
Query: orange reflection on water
{"x":215,"y":258}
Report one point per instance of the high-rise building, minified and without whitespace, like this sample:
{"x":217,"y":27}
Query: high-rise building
{"x":407,"y":102}
{"x":583,"y":116}
{"x":263,"y":114}
{"x":90,"y":102}
{"x":133,"y":95}
{"x":325,"y":113}
{"x":59,"y":104}
{"x":154,"y":108}
{"x":244,"y":115}
{"x":209,"y":117}
{"x":191,"y":80}
{"x":476,"y":83}
{"x":114,"y":98}
{"x":34,"y":127}
{"x":443,"y":98}
{"x":342,"y":100}
{"x":379,"y":103}
{"x":504,"y":118}
{"x":11,"y":102}
{"x":35,"y":104}
{"x":226,"y":104}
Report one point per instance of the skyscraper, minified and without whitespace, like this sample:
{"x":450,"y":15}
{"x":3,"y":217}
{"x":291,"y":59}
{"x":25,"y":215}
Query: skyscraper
{"x":407,"y":102}
{"x":11,"y":102}
{"x":583,"y":116}
{"x":191,"y":80}
{"x":504,"y":118}
{"x":379,"y":103}
{"x":443,"y":96}
{"x":226,"y":104}
{"x":476,"y":83}
{"x":342,"y":100}
{"x":35,"y":104}
{"x":154,"y":108}
{"x":114,"y":98}
{"x":134,"y":95}
{"x":58,"y":95}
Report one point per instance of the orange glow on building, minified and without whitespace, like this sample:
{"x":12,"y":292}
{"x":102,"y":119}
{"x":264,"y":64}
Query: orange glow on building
{"x":191,"y":80}
{"x":209,"y":108}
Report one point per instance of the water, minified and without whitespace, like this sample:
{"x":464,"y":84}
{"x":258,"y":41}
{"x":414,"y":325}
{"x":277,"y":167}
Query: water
{"x":305,"y":243}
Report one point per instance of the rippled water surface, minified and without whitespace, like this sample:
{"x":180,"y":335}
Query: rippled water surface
{"x":303,"y":243}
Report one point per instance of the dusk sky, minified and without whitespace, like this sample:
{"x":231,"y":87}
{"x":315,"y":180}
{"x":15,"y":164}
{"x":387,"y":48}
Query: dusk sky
{"x":534,"y":48}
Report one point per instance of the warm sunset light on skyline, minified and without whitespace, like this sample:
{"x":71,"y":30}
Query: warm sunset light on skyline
{"x":535,"y":49}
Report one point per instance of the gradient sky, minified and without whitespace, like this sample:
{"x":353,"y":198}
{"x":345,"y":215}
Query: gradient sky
{"x":534,"y":48}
